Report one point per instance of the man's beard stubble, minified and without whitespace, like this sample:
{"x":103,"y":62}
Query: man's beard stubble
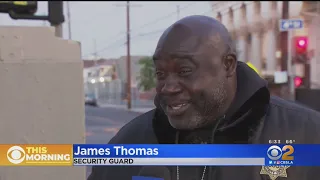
{"x":207,"y":111}
{"x":213,"y":109}
{"x":213,"y":106}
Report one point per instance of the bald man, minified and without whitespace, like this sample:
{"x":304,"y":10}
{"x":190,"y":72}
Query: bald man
{"x":204,"y":95}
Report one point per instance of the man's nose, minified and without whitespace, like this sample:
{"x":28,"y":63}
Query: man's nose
{"x":171,"y":87}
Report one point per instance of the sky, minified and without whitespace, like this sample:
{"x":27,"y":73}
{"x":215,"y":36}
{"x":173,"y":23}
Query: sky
{"x":101,"y":26}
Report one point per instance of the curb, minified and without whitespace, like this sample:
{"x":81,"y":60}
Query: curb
{"x":123,"y":107}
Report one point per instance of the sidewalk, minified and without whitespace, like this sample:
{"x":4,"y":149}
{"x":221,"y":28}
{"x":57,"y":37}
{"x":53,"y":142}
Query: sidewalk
{"x":124,"y":107}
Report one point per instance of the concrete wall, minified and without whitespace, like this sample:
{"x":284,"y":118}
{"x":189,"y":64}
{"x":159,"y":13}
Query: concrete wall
{"x":41,"y":97}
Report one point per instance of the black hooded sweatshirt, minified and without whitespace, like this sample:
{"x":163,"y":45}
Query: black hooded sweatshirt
{"x":253,"y":118}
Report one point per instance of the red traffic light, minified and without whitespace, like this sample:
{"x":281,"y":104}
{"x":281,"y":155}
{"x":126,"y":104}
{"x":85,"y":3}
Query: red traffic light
{"x":298,"y":81}
{"x":301,"y":44}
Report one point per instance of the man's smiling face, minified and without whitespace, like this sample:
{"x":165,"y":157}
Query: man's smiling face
{"x":191,"y":77}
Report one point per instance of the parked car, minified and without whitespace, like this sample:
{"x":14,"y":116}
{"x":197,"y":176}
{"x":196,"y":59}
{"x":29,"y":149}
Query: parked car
{"x":91,"y":100}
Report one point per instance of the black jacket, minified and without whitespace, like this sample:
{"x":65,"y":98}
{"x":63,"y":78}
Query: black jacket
{"x":254,"y":117}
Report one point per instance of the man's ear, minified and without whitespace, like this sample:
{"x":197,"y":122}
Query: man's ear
{"x":230,"y":64}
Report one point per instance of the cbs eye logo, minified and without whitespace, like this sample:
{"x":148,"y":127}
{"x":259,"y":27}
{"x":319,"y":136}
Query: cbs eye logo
{"x":16,"y":154}
{"x":276,"y":153}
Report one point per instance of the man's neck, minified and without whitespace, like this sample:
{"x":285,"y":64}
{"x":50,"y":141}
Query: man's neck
{"x":200,"y":136}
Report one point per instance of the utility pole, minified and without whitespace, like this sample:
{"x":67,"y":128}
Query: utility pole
{"x":178,"y":12}
{"x":284,"y":37}
{"x":69,"y":19}
{"x":128,"y":57}
{"x":96,"y":69}
{"x":283,"y":45}
{"x":129,"y":102}
{"x":58,"y":30}
{"x":95,"y":52}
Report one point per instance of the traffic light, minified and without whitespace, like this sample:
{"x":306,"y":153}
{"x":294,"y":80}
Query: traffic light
{"x":27,"y":9}
{"x":55,"y":11}
{"x":301,"y":43}
{"x":301,"y":49}
{"x":298,"y":82}
{"x":19,"y":7}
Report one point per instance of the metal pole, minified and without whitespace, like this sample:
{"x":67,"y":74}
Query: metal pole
{"x":58,"y":30}
{"x":284,"y":37}
{"x":95,"y":54}
{"x":58,"y":27}
{"x":291,"y":67}
{"x":178,"y":12}
{"x":96,"y":69}
{"x":69,"y":19}
{"x":128,"y":58}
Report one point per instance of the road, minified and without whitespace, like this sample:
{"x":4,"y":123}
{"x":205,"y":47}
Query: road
{"x":103,"y":123}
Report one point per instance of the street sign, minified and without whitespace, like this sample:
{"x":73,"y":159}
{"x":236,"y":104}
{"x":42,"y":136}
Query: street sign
{"x":290,"y":24}
{"x":280,"y":77}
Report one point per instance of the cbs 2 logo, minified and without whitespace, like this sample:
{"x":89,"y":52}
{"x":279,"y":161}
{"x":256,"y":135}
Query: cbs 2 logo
{"x":275,"y":153}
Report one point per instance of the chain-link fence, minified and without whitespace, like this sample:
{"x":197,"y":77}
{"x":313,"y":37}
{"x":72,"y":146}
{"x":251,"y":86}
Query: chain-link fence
{"x":114,"y":93}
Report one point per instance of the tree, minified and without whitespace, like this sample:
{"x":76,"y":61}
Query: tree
{"x":147,"y":79}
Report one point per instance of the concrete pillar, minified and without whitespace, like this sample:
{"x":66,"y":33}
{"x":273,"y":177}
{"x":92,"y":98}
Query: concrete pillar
{"x":256,"y":29}
{"x":272,"y":31}
{"x":242,"y":35}
{"x":42,"y":97}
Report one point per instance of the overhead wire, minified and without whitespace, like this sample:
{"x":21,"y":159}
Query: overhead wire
{"x":116,"y":45}
{"x":110,"y":46}
{"x":165,"y":17}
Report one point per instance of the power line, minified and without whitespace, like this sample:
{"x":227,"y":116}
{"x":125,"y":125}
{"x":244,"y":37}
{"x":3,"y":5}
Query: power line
{"x":93,"y":16}
{"x":109,"y":47}
{"x":123,"y":43}
{"x":150,"y":33}
{"x":144,"y":25}
{"x":159,"y":19}
{"x":165,"y":17}
{"x":116,"y":45}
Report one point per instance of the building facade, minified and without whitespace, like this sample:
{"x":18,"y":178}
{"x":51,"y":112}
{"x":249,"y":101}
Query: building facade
{"x":121,"y":68}
{"x":254,"y":25}
{"x":99,"y":74}
{"x":107,"y":78}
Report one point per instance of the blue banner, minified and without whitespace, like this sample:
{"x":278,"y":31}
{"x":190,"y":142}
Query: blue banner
{"x":169,"y":151}
{"x":292,"y":155}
